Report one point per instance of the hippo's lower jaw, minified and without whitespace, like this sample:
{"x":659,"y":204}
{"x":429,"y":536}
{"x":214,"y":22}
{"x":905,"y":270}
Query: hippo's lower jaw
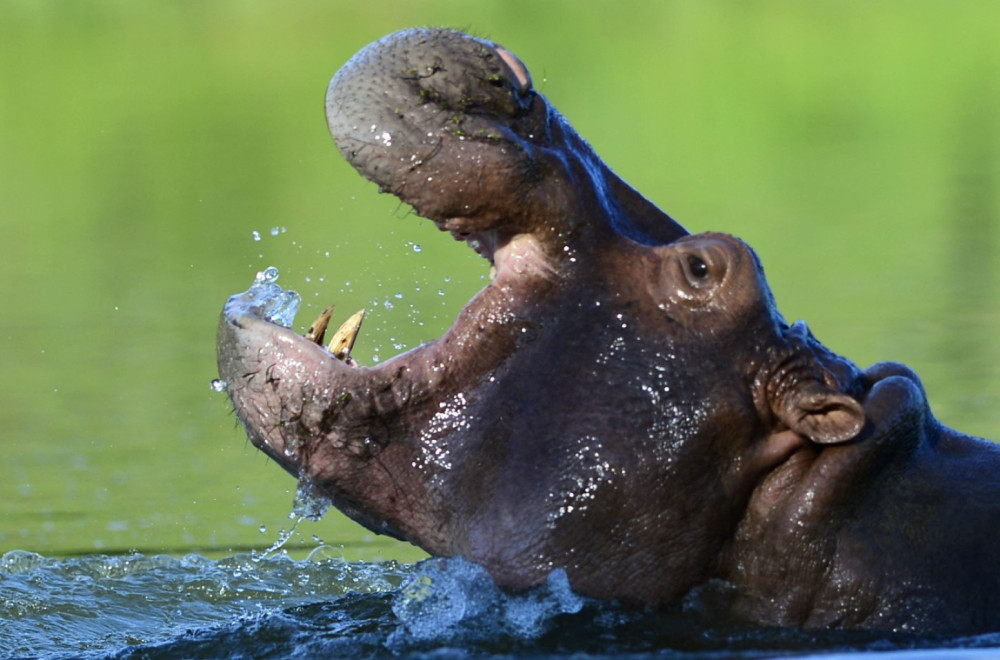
{"x":332,"y":422}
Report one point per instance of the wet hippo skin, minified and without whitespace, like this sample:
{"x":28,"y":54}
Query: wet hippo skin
{"x":623,"y":401}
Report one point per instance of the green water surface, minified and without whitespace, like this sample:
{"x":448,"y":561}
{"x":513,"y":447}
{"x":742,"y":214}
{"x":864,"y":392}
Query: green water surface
{"x":856,"y":145}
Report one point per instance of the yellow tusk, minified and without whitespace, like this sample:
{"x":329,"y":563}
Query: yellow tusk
{"x":318,"y":328}
{"x":343,"y":339}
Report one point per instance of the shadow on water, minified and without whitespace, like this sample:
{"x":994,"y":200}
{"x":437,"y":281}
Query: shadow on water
{"x":139,"y":607}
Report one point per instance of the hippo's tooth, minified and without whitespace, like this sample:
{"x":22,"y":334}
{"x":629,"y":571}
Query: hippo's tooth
{"x":343,"y":339}
{"x":493,"y":272}
{"x":318,"y":329}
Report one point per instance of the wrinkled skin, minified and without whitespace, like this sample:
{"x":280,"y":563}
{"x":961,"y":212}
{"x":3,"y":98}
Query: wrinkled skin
{"x":623,"y":401}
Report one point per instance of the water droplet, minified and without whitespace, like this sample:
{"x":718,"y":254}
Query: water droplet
{"x":416,"y":247}
{"x":218,"y":385}
{"x":256,"y":235}
{"x":269,"y":274}
{"x":263,"y":529}
{"x":309,"y":503}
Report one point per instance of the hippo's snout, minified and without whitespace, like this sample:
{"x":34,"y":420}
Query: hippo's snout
{"x":423,"y":112}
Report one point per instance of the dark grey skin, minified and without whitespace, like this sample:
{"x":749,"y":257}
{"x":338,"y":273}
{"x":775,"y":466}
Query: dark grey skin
{"x":623,"y":401}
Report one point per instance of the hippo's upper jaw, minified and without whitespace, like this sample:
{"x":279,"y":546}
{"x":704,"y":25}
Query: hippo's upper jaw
{"x":452,"y":126}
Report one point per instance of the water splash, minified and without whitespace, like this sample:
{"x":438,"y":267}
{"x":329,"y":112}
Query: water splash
{"x":283,"y":537}
{"x":451,"y":598}
{"x":218,"y":385}
{"x":309,"y":503}
{"x":275,"y":304}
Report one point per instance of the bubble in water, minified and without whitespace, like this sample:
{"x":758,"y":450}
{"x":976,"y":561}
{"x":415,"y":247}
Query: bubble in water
{"x":218,"y":385}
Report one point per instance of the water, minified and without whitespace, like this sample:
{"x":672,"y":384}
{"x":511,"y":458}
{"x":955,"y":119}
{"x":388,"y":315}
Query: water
{"x":138,"y":606}
{"x":98,"y":605}
{"x":275,"y":304}
{"x":137,"y":192}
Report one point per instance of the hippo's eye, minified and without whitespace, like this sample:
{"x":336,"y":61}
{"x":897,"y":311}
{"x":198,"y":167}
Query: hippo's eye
{"x":697,"y":267}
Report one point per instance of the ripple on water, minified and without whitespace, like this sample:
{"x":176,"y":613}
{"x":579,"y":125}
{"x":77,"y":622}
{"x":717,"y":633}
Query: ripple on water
{"x":138,"y":606}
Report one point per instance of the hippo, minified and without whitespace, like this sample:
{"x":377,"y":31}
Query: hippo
{"x":623,"y":401}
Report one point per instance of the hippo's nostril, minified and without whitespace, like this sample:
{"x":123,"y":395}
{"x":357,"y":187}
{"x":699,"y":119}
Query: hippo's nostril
{"x":517,"y":68}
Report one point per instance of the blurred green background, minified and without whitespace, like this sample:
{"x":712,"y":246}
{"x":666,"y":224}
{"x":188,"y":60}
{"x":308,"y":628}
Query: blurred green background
{"x":856,"y":145}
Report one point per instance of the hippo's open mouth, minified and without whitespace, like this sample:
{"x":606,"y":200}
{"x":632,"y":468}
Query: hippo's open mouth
{"x":451,"y":125}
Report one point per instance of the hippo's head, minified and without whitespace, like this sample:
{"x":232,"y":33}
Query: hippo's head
{"x":606,"y":405}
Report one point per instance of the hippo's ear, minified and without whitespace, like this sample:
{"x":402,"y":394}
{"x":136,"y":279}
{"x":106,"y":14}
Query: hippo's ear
{"x":821,"y":414}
